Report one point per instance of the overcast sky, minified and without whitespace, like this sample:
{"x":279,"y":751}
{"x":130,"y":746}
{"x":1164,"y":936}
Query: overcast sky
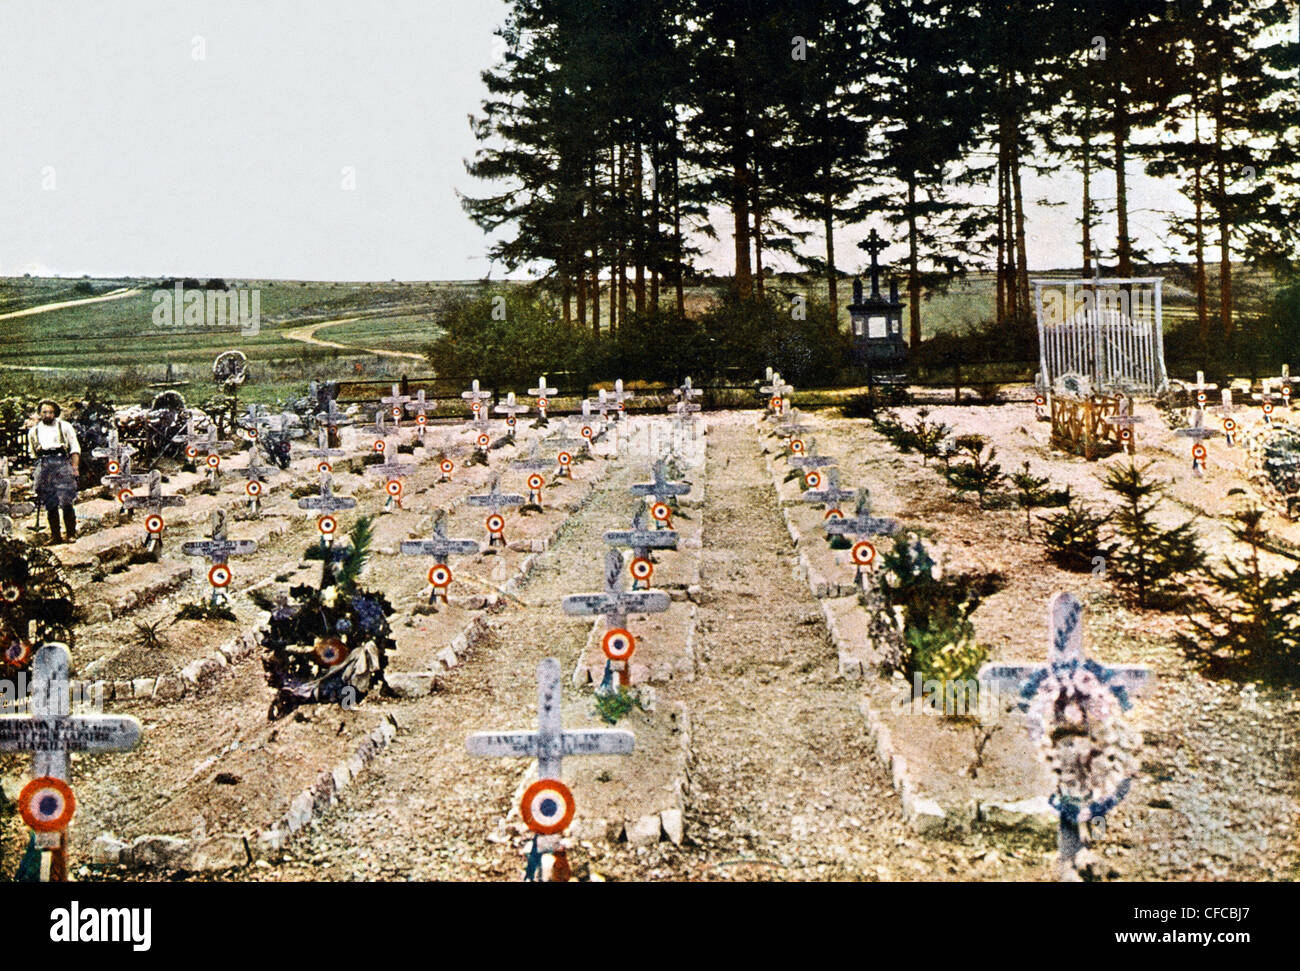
{"x":216,"y":139}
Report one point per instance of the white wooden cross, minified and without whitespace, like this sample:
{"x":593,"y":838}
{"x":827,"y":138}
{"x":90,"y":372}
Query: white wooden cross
{"x":217,"y":550}
{"x":396,"y":403}
{"x":641,"y":541}
{"x":810,"y":459}
{"x":564,"y":445}
{"x":686,"y":393}
{"x":115,"y":451}
{"x":1124,"y":419}
{"x":861,"y":525}
{"x":420,"y":406}
{"x":1200,"y":387}
{"x":601,"y":404}
{"x":1230,"y":425}
{"x":439,"y":547}
{"x":476,"y":398}
{"x":535,"y":462}
{"x":156,"y":502}
{"x":326,"y":503}
{"x":394,"y":471}
{"x":1067,"y":665}
{"x":253,"y":419}
{"x":775,"y":391}
{"x":330,"y":419}
{"x":660,"y":488}
{"x":382,"y":432}
{"x":1267,"y":400}
{"x":549,"y":744}
{"x":791,"y":426}
{"x":832,"y":493}
{"x":496,"y":500}
{"x":1198,"y":433}
{"x":542,"y":393}
{"x":512,"y":410}
{"x":621,"y":397}
{"x":322,"y":450}
{"x":50,"y":731}
{"x":615,"y":603}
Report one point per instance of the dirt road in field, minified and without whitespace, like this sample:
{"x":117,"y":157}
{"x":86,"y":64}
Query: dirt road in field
{"x":307,"y":334}
{"x":62,"y":304}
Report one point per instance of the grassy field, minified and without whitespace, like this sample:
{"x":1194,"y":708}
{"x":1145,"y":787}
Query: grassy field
{"x":116,"y":346}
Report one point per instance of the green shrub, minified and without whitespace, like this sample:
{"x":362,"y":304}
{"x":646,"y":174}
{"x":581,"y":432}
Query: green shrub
{"x":1073,"y":537}
{"x":979,"y":473}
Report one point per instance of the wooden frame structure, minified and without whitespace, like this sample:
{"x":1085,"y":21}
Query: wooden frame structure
{"x":1079,"y":425}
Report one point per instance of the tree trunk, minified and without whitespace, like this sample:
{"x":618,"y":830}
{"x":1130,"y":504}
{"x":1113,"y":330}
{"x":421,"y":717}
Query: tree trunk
{"x":832,"y":283}
{"x":1198,"y":200}
{"x":913,"y":270}
{"x":680,"y":257}
{"x":1022,"y":260}
{"x":1001,"y":265}
{"x":582,"y":296}
{"x":566,"y":297}
{"x":637,"y":178}
{"x":1225,"y":227}
{"x":744,"y":283}
{"x":595,"y":299}
{"x":1087,"y":187}
{"x":1124,"y":247}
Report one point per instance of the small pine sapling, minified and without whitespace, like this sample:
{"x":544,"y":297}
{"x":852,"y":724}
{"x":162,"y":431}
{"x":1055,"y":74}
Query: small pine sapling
{"x":1252,"y":628}
{"x":979,"y":473}
{"x":1150,"y":561}
{"x":1073,"y":537}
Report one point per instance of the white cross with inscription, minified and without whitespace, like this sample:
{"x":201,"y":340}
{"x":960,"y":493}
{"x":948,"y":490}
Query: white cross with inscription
{"x":495,"y":500}
{"x":615,"y":603}
{"x":512,"y":410}
{"x":832,"y":493}
{"x":1200,"y":387}
{"x":660,"y":488}
{"x":1198,"y":433}
{"x":217,"y":550}
{"x":544,"y":806}
{"x":156,"y":502}
{"x":476,"y":398}
{"x":621,"y":397}
{"x":395,"y":402}
{"x":49,"y":731}
{"x":1124,"y":420}
{"x":420,"y":406}
{"x":1065,"y":660}
{"x":439,"y":547}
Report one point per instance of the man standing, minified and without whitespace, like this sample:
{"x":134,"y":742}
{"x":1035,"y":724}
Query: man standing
{"x":52,"y":442}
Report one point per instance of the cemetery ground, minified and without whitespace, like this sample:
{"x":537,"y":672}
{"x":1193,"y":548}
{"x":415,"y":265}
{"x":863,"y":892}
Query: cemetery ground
{"x":762,"y":736}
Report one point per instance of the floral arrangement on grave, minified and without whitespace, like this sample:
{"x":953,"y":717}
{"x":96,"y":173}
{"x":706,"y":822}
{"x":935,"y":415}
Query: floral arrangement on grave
{"x":229,"y":371}
{"x":1077,"y":722}
{"x":1251,"y":625}
{"x":36,"y":603}
{"x":329,"y":644}
{"x":91,"y":418}
{"x":926,"y":614}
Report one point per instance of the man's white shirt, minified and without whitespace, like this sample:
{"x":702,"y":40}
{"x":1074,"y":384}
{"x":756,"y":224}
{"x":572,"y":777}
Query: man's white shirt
{"x":47,"y":436}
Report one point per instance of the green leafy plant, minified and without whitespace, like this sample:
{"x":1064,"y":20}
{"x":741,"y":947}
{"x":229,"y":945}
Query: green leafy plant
{"x":615,"y":705}
{"x":1151,"y":562}
{"x":205,"y":610}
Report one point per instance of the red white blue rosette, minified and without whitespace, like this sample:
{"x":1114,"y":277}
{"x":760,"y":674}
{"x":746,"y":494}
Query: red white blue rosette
{"x":547,"y":807}
{"x":618,"y":644}
{"x":47,"y":804}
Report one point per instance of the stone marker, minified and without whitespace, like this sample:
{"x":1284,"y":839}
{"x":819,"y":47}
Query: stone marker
{"x":217,"y":551}
{"x":50,"y":731}
{"x":1074,"y":705}
{"x":439,"y":547}
{"x":9,"y":509}
{"x":1198,"y":433}
{"x":156,"y":502}
{"x":495,"y":500}
{"x":548,"y":806}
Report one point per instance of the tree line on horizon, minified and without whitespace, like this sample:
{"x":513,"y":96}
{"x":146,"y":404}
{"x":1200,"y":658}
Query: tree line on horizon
{"x":613,"y":127}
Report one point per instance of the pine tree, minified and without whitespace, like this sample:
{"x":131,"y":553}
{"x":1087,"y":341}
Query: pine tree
{"x":1253,"y":626}
{"x":1073,"y":537}
{"x":1149,"y":560}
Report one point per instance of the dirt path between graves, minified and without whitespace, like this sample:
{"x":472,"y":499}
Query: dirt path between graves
{"x":307,"y":334}
{"x":785,"y":786}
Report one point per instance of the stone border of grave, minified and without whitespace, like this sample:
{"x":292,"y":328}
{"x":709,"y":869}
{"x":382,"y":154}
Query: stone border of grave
{"x":923,"y":814}
{"x":225,"y":852}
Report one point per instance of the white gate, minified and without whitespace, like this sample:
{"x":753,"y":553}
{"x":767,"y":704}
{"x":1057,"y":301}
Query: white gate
{"x":1108,"y":330}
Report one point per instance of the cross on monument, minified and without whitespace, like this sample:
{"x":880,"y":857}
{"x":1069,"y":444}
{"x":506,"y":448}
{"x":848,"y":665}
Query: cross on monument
{"x":874,"y":245}
{"x":1068,"y":692}
{"x":50,"y":731}
{"x":548,"y":805}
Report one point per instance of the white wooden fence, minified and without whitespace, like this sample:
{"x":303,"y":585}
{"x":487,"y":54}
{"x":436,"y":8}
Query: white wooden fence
{"x":1115,"y":348}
